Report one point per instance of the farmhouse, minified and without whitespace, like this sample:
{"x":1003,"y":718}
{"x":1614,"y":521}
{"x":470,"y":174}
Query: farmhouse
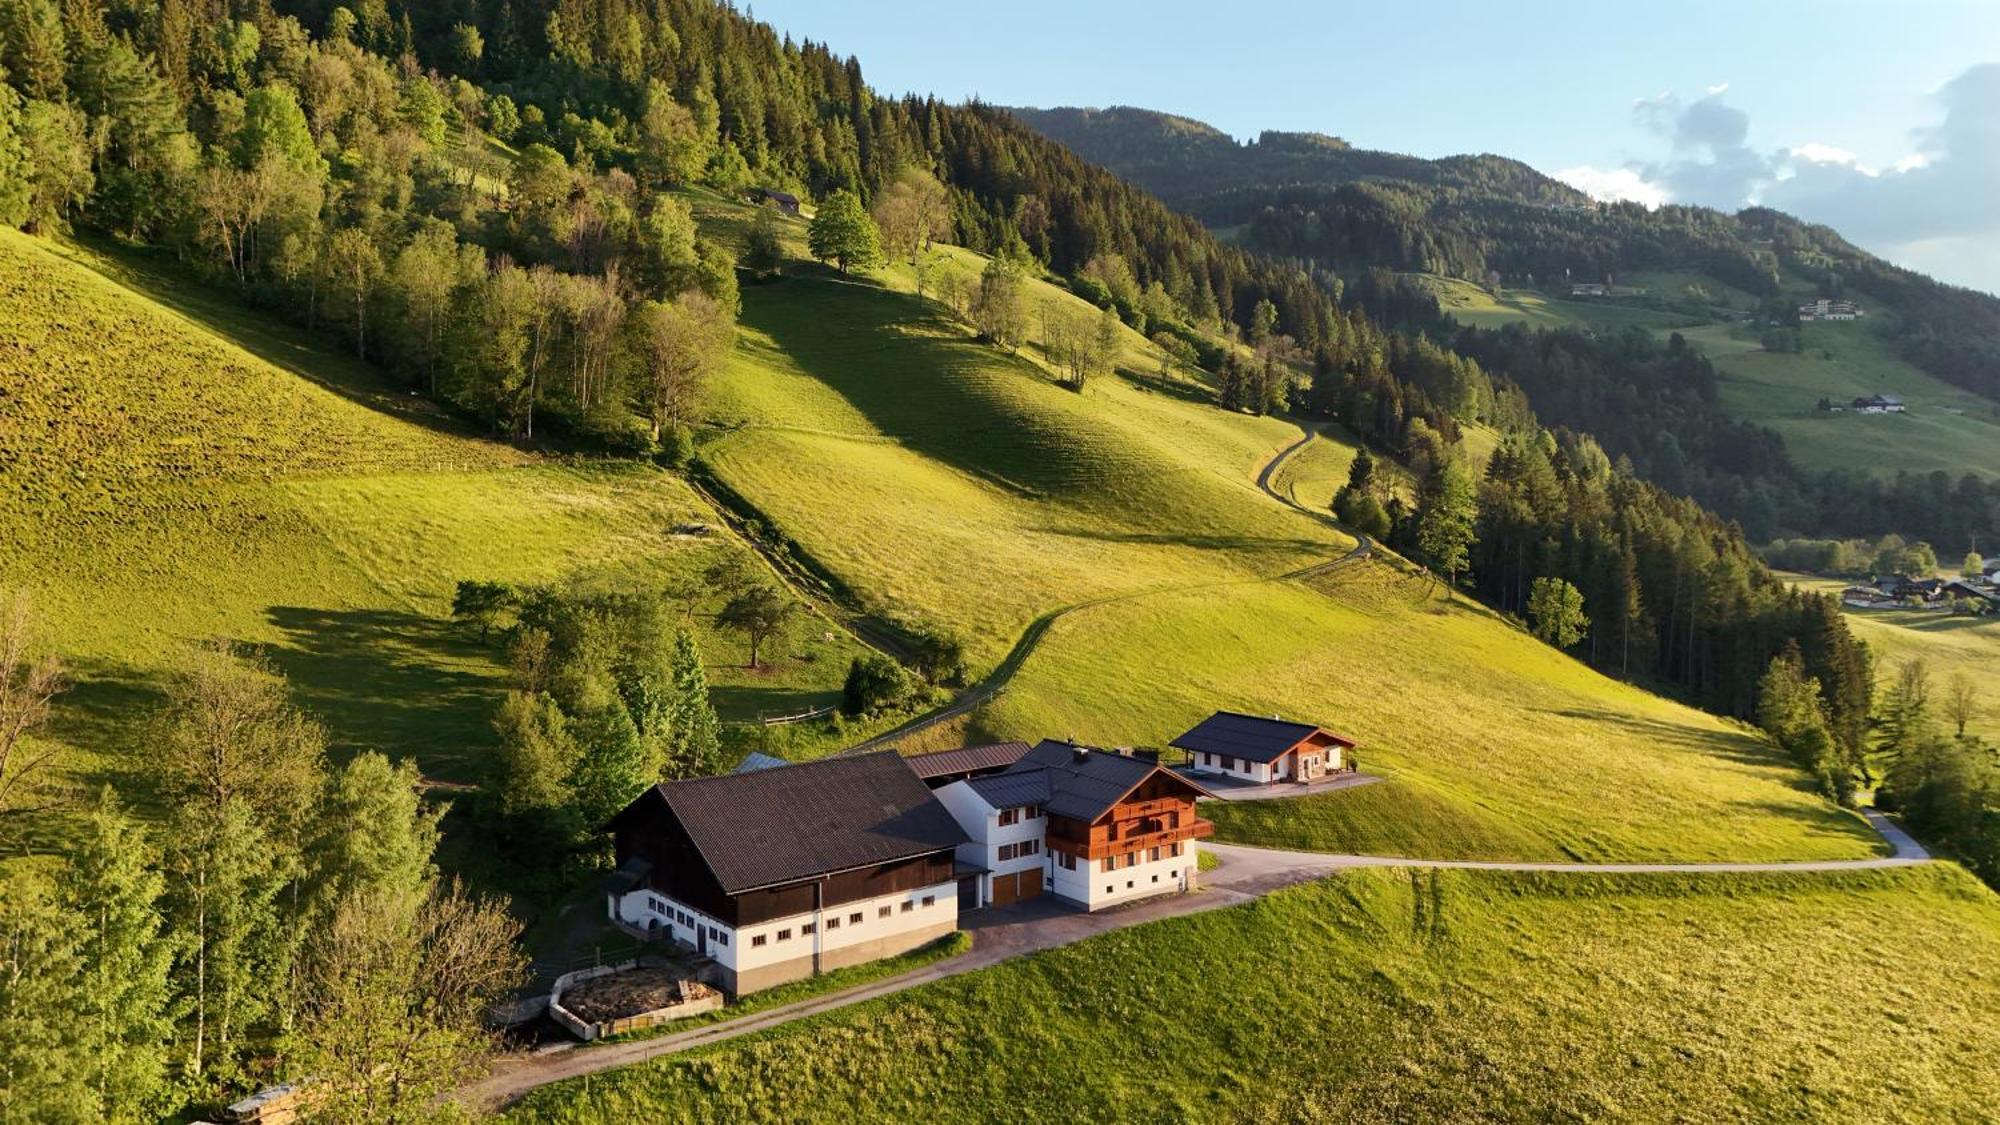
{"x":783,"y":200}
{"x":782,"y":873}
{"x":1590,"y":289}
{"x":1092,"y":827}
{"x":1265,"y":751}
{"x":1879,"y":404}
{"x":1826,"y":309}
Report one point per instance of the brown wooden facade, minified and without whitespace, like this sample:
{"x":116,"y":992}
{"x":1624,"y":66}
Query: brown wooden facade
{"x":1160,"y":811}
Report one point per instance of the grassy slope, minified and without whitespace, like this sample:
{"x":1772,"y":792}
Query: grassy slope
{"x":947,"y":482}
{"x":1842,"y":361}
{"x":1496,"y":745}
{"x":198,"y":473}
{"x":1398,"y":996}
{"x":1949,"y":646}
{"x":951,"y":483}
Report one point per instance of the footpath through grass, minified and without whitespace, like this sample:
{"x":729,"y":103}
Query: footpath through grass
{"x":1400,"y":996}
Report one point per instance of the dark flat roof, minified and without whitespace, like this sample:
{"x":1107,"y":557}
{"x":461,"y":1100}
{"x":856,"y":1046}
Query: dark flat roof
{"x":774,"y":826}
{"x":1248,"y":736}
{"x":966,"y":759}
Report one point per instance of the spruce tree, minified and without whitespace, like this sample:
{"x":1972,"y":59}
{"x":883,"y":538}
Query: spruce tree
{"x":696,"y":740}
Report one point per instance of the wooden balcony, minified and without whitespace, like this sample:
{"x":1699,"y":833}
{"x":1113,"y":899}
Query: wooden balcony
{"x":1195,"y":829}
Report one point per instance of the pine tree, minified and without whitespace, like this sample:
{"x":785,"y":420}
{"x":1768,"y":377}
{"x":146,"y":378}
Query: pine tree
{"x":41,"y":973}
{"x":696,"y":739}
{"x":1446,"y":511}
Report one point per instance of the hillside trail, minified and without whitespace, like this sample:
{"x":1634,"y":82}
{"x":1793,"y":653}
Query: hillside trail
{"x":1003,"y":674}
{"x":1004,"y":933}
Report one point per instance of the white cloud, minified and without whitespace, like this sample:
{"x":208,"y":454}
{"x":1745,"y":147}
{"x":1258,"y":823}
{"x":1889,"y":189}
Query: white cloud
{"x":1814,"y":152}
{"x":1612,"y":185}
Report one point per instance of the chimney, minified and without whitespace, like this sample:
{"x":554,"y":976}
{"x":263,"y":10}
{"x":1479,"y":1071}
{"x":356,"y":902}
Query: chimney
{"x":1078,"y":753}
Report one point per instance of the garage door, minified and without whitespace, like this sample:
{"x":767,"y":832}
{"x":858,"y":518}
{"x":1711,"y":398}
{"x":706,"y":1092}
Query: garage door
{"x":1004,"y":889}
{"x":1031,"y":883}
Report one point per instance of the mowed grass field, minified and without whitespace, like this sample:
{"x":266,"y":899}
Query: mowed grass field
{"x":1494,"y":745}
{"x":1946,"y":429}
{"x":1949,"y":647}
{"x":1413,"y":996}
{"x":952,"y":484}
{"x":1473,"y":305}
{"x":171,"y":475}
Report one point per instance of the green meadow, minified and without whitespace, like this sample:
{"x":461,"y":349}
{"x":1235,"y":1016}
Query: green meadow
{"x":1949,"y":646}
{"x":1946,"y":429}
{"x":174,"y":470}
{"x":1413,"y":996}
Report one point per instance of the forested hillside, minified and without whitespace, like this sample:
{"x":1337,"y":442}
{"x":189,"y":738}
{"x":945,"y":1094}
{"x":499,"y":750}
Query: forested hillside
{"x":1317,"y":201}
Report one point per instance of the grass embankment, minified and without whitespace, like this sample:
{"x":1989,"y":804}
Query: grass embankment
{"x":826,"y":984}
{"x":1949,"y":646}
{"x":1398,"y":996}
{"x":1947,"y":429}
{"x":173,"y":469}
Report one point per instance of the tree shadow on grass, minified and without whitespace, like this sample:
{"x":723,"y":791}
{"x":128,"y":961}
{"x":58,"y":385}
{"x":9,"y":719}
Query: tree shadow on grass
{"x":407,"y":685}
{"x":744,"y":702}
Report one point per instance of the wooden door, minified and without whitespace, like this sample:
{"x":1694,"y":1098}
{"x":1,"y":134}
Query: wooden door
{"x":1005,"y":889}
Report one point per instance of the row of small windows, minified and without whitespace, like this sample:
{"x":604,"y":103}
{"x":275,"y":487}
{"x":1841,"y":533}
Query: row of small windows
{"x":1017,"y":815}
{"x":658,"y":906}
{"x":1111,"y":889}
{"x":1015,"y":851}
{"x":833,"y":923}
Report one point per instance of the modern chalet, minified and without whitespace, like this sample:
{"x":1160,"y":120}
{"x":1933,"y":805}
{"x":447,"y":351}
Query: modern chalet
{"x":1263,"y":751}
{"x":781,"y":873}
{"x":1092,"y":827}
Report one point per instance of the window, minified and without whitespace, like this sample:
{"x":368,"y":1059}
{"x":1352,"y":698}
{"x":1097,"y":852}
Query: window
{"x":756,"y":940}
{"x":1107,"y":890}
{"x":882,"y":912}
{"x":1176,"y":850}
{"x":1066,"y":861}
{"x":720,"y":937}
{"x":1007,"y":852}
{"x":930,"y":900}
{"x":1156,"y":878}
{"x":1029,"y":847}
{"x":785,"y":934}
{"x":833,"y":923}
{"x":854,"y":919}
{"x":1034,"y":813}
{"x":809,"y":927}
{"x":1128,"y":884}
{"x":1009,"y":816}
{"x":1109,"y":864}
{"x":1153,"y":856}
{"x":908,"y":906}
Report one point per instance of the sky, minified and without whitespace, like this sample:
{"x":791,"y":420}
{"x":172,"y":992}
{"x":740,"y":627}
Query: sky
{"x":1882,"y":119}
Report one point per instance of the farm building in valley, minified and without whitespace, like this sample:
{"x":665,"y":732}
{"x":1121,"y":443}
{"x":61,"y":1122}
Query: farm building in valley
{"x":1092,"y":827}
{"x":781,"y":873}
{"x":1827,"y":309}
{"x":1263,"y":750}
{"x":784,"y":201}
{"x":1879,"y":404}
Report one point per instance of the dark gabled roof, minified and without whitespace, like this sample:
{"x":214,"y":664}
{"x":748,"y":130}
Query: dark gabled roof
{"x":1069,"y":780}
{"x":966,"y":760}
{"x":1008,"y":790}
{"x":782,"y":825}
{"x":1248,"y":736}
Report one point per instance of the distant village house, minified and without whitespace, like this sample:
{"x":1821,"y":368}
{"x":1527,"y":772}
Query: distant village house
{"x":1825,"y":309}
{"x":1879,"y":404}
{"x":783,"y":200}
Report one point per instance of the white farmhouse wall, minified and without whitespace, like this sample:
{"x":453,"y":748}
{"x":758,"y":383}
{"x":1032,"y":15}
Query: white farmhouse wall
{"x":1095,"y":888}
{"x":1244,"y":769}
{"x":737,"y":949}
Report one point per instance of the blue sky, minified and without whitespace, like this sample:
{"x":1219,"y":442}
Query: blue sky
{"x":1703,"y":101}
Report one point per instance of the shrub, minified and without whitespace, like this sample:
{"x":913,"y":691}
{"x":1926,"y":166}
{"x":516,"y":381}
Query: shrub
{"x":875,"y":683}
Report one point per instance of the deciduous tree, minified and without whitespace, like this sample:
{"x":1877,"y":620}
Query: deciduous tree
{"x":681,"y":343}
{"x":1556,"y":609}
{"x":758,"y":613}
{"x":29,"y":679}
{"x":843,"y":233}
